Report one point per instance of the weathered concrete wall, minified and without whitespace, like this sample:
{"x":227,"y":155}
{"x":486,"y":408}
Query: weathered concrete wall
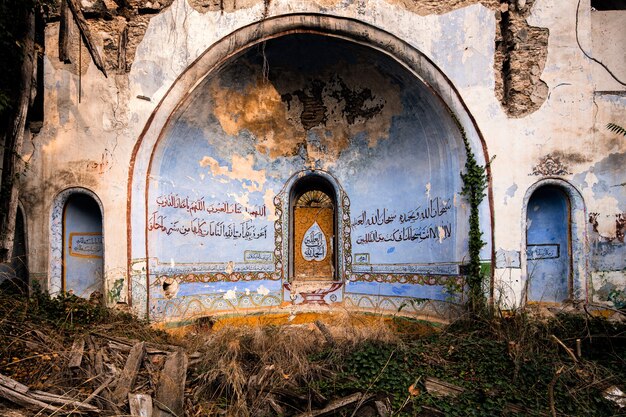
{"x":605,"y":181}
{"x":539,"y":116}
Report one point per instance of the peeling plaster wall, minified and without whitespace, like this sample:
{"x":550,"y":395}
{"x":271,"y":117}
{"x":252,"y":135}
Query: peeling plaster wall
{"x":295,"y":105}
{"x":555,"y":130}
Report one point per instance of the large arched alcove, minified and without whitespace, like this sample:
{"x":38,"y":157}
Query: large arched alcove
{"x":210,"y":208}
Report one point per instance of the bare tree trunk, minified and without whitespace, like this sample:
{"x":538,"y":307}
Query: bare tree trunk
{"x":13,"y":140}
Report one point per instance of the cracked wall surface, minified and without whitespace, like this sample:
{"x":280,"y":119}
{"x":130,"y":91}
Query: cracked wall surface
{"x":520,"y":51}
{"x":518,"y":67}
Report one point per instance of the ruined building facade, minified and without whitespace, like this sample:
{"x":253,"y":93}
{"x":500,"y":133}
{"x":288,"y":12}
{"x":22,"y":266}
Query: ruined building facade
{"x":255,"y":156}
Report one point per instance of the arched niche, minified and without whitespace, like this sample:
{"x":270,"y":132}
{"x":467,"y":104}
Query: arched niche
{"x":76,"y":243}
{"x":17,"y":267}
{"x":382,"y":77}
{"x":313,"y":235}
{"x":554,"y":260}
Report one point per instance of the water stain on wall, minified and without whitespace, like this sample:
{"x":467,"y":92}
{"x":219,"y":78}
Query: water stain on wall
{"x":315,"y":112}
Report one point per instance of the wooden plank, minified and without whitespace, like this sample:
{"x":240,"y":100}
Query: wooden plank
{"x":129,"y":374}
{"x":439,"y":388}
{"x":76,"y":354}
{"x":381,"y":409}
{"x":151,"y":348}
{"x":121,"y":50}
{"x":68,"y":403}
{"x":64,"y":34}
{"x":12,"y":384}
{"x":98,"y":390}
{"x":140,"y":405}
{"x":326,"y":333}
{"x":25,"y":401}
{"x":86,"y":33}
{"x":336,"y":405}
{"x":170,"y":391}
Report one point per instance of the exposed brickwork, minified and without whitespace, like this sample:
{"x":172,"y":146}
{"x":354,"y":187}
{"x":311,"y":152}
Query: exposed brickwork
{"x":521,"y":52}
{"x":520,"y":56}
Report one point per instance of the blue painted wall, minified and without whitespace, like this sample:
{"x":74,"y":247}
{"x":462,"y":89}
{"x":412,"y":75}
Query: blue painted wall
{"x":217,"y":209}
{"x":82,"y":246}
{"x":547,"y":245}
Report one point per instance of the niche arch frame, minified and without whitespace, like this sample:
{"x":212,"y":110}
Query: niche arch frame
{"x":284,"y":226}
{"x":55,"y":263}
{"x":22,"y":210}
{"x":355,"y":31}
{"x":578,"y":236}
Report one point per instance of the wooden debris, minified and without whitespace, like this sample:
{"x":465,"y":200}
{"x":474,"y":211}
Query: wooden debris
{"x":615,"y":395}
{"x":24,"y":400}
{"x":76,"y":354}
{"x":12,"y":384}
{"x":86,"y":34}
{"x":122,"y":343}
{"x":69,"y":403}
{"x":64,"y":34}
{"x":39,"y":400}
{"x":564,"y":346}
{"x":98,"y":390}
{"x":121,"y":50}
{"x":140,"y":405}
{"x":278,"y":409}
{"x":330,"y":340}
{"x":129,"y":374}
{"x":381,"y":408}
{"x":439,"y":388}
{"x":336,"y":405}
{"x":170,"y":392}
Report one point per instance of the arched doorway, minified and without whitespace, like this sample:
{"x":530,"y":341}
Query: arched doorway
{"x":549,"y":245}
{"x":314,"y":225}
{"x":76,"y":243}
{"x":82,"y":246}
{"x":17,"y":269}
{"x":19,"y":261}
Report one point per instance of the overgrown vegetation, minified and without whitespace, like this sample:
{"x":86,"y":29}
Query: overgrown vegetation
{"x":37,"y":331}
{"x":474,"y":185}
{"x":510,"y":365}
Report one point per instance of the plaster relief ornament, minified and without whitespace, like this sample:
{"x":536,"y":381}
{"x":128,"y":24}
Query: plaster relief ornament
{"x":314,"y":244}
{"x":550,"y":165}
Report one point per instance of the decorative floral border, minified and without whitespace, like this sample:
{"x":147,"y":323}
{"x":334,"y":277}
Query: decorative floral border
{"x":281,"y":227}
{"x":185,"y":308}
{"x":220,"y":277}
{"x":416,"y":279}
{"x":55,"y":268}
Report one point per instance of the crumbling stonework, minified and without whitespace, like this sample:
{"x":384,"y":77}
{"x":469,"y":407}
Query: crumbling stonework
{"x":120,"y":25}
{"x":521,"y":52}
{"x":520,"y":56}
{"x":204,"y":6}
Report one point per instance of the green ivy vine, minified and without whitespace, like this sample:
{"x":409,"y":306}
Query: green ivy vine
{"x":474,"y":186}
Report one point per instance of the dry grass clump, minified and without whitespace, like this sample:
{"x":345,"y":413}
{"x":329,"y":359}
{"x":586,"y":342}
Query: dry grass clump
{"x":269,"y":369}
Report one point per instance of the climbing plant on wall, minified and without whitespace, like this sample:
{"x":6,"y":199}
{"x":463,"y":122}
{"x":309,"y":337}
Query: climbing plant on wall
{"x":474,"y":185}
